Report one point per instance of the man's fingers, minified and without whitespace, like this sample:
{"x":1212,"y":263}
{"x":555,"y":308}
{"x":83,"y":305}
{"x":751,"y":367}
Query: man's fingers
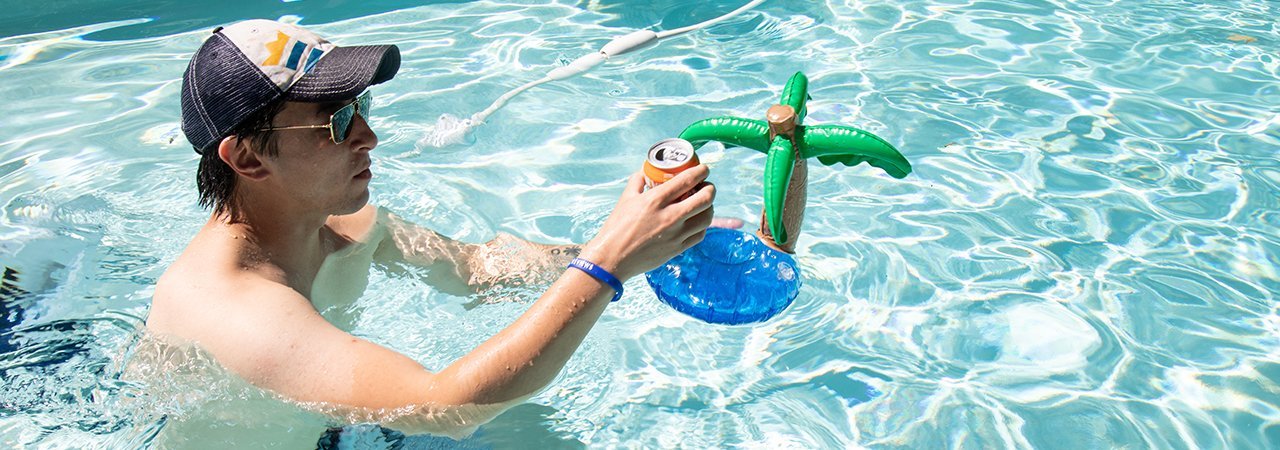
{"x":683,"y":182}
{"x":693,"y":240}
{"x":635,"y":186}
{"x":699,"y":201}
{"x":699,"y":222}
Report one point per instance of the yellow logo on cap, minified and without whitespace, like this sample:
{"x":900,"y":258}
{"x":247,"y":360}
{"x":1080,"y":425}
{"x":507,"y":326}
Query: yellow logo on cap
{"x":276,"y":48}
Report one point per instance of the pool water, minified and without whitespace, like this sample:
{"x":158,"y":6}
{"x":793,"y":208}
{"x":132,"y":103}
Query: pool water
{"x":1084,"y":257}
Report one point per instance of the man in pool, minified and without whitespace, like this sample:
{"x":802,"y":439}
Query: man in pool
{"x":278,"y":116}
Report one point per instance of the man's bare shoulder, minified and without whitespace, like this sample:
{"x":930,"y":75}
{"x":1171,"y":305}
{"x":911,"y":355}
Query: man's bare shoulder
{"x":270,"y":335}
{"x":209,"y":297}
{"x":242,"y":319}
{"x":186,"y":296}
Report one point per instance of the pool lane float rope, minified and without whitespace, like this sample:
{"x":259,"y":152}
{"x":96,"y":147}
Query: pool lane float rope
{"x":451,"y":130}
{"x":732,"y":277}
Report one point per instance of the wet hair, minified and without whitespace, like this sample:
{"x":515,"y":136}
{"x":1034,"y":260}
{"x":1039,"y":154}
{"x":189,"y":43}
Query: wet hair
{"x":215,"y":180}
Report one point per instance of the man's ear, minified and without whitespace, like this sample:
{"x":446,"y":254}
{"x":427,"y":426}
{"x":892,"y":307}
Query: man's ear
{"x":243,"y":160}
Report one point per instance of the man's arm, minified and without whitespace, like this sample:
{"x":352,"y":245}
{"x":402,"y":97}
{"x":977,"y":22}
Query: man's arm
{"x":460,"y":268}
{"x":274,"y":338}
{"x":285,"y":346}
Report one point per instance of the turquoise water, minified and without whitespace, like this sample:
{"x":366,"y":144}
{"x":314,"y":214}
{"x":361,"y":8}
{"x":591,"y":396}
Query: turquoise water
{"x":1084,"y":257}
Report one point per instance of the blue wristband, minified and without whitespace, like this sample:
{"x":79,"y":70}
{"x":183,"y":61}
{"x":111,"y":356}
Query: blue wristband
{"x":600,"y":274}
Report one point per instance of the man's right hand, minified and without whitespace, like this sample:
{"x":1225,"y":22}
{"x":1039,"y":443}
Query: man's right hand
{"x":648,"y":228}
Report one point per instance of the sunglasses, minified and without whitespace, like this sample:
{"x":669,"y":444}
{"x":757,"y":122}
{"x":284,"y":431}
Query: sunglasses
{"x":340,"y":122}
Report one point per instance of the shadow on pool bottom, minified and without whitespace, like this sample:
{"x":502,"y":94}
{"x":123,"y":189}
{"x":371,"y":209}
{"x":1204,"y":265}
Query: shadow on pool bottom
{"x":524,"y":426}
{"x":10,"y":310}
{"x":529,"y":426}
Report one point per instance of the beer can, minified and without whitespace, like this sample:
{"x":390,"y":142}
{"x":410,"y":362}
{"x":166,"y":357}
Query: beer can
{"x":667,"y":158}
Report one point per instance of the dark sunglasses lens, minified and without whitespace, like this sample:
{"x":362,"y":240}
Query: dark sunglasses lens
{"x":366,"y":104}
{"x":341,"y":122}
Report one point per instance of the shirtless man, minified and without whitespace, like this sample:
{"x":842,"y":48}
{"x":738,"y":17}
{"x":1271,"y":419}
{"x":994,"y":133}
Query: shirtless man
{"x":278,"y":116}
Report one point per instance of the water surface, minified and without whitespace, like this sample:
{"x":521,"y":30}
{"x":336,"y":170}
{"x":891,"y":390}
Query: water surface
{"x":1084,"y":256}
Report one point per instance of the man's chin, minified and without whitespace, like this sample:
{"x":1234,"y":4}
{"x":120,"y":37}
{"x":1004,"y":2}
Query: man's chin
{"x":355,"y":205}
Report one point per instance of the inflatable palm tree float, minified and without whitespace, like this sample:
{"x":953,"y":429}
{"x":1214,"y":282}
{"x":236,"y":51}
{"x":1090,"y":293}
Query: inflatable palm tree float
{"x":731,"y":277}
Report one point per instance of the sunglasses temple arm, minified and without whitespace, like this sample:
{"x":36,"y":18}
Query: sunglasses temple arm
{"x":296,"y":127}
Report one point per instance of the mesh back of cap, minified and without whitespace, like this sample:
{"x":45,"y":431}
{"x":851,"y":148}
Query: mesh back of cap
{"x":221,"y":88}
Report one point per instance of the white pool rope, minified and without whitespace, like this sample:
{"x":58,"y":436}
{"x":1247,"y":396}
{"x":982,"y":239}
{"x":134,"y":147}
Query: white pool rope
{"x":451,"y":130}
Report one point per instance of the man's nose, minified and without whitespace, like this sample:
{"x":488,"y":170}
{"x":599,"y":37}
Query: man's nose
{"x":361,"y":135}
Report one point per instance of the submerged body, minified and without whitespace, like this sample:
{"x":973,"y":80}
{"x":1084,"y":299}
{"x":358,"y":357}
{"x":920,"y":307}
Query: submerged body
{"x":177,"y":354}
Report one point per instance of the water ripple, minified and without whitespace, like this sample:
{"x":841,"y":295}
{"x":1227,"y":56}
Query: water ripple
{"x":1085,"y":255}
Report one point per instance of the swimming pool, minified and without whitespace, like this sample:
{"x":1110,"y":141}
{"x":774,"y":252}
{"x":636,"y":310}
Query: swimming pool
{"x":1084,"y":257}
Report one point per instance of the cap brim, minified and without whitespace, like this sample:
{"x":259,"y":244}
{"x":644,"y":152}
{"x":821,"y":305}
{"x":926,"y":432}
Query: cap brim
{"x":345,"y":72}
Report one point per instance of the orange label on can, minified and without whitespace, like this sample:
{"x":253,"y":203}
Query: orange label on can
{"x":668,"y":158}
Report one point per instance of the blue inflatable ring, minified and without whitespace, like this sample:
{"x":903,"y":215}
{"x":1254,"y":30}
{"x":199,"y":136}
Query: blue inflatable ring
{"x":731,"y":277}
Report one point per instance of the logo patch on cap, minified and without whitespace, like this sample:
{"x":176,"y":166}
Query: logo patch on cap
{"x":284,"y":52}
{"x":297,"y":51}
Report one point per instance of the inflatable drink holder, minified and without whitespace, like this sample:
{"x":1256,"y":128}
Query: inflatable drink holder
{"x":732,"y":277}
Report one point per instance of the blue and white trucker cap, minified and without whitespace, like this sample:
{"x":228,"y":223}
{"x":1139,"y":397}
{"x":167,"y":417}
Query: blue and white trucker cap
{"x":246,"y":66}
